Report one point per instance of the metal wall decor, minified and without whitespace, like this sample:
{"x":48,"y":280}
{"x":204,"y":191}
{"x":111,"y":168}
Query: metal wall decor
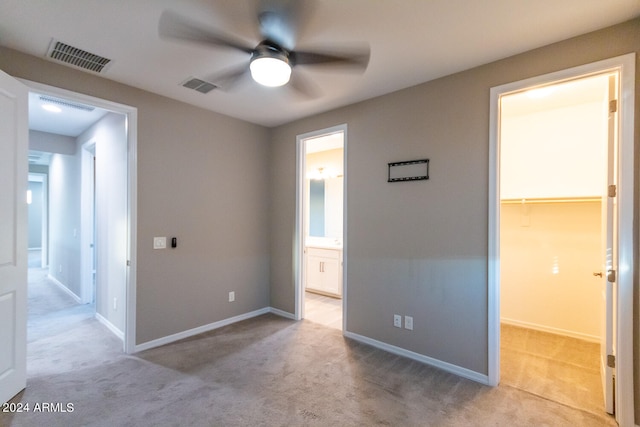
{"x":411,"y":170}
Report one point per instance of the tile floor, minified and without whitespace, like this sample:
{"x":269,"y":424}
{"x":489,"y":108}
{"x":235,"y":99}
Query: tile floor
{"x":324,"y":310}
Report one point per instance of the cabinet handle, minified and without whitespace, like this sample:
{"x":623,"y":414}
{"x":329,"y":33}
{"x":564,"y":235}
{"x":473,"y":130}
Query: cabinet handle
{"x":321,"y":266}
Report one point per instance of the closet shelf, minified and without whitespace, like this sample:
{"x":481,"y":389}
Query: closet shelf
{"x":552,"y":200}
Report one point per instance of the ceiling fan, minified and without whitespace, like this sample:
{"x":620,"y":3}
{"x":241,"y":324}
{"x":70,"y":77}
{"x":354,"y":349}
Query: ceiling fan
{"x":272,"y":61}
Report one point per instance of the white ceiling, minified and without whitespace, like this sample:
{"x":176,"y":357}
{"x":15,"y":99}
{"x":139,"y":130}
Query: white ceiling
{"x":592,"y":89}
{"x":71,"y":118}
{"x":411,"y":41}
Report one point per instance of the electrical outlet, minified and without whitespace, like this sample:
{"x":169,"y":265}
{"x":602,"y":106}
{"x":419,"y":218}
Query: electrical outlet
{"x":232,"y":296}
{"x":397,"y":321}
{"x":408,"y":322}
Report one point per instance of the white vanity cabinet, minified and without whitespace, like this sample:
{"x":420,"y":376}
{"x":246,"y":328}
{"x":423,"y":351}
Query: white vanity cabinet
{"x":324,"y":270}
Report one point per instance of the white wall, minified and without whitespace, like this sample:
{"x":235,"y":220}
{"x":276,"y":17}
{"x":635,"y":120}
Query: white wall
{"x":334,"y":195}
{"x":554,"y":153}
{"x":549,"y":251}
{"x":35,"y":215}
{"x":64,"y":220}
{"x":548,"y":254}
{"x":109,"y":135}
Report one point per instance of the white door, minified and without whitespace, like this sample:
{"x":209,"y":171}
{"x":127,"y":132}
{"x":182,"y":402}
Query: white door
{"x":13,"y":236}
{"x":610,"y":255}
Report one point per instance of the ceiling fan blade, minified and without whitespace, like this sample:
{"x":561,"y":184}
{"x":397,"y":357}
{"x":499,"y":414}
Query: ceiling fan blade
{"x":175,"y":26}
{"x":303,"y":85}
{"x":282,"y":21}
{"x":354,"y":59}
{"x":230,"y":78}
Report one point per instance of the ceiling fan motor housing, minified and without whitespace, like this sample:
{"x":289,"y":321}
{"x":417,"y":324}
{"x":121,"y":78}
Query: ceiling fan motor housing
{"x":269,"y":49}
{"x":270,"y":65}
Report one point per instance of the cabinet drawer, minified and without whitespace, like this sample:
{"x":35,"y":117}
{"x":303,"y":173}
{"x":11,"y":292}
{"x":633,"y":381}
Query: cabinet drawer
{"x":324,"y":253}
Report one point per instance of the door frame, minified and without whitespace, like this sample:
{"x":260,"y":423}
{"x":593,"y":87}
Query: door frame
{"x":299,"y":239}
{"x":625,"y":65}
{"x":131,"y":114}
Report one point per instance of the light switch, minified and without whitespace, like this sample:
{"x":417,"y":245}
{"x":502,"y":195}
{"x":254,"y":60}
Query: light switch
{"x":159,"y":243}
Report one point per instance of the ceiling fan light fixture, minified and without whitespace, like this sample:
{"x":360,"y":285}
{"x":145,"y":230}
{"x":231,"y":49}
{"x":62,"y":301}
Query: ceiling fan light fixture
{"x":270,"y":68}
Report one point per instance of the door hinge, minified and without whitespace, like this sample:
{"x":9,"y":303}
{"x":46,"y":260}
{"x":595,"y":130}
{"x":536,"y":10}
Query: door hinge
{"x":128,"y":263}
{"x":612,"y":190}
{"x":611,"y":361}
{"x":611,"y":276}
{"x":613,"y":106}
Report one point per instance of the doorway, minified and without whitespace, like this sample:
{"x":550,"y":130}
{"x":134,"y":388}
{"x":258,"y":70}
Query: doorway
{"x":553,"y":173}
{"x":320,"y":290}
{"x":579,"y":198}
{"x":92,"y":172}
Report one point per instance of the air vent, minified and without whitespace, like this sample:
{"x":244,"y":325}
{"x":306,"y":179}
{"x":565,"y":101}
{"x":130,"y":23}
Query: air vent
{"x":199,"y":85}
{"x":66,"y":103}
{"x":77,"y":57}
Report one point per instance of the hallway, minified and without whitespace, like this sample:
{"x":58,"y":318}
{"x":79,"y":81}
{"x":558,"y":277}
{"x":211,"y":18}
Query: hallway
{"x":56,"y":324}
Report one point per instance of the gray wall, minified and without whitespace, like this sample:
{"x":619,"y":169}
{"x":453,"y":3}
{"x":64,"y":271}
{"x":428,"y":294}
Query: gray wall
{"x":51,"y":142}
{"x":421,"y":248}
{"x":203,"y":178}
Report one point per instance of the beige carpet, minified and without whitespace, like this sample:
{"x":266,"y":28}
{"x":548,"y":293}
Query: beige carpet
{"x":266,"y":371}
{"x":556,"y":367}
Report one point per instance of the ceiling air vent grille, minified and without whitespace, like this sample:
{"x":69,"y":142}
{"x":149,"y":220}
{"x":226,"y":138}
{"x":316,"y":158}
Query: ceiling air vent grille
{"x":199,"y":85}
{"x":64,"y":102}
{"x":77,"y":57}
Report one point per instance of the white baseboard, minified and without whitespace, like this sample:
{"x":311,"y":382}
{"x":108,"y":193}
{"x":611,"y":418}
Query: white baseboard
{"x":282,"y":313}
{"x":200,"y":329}
{"x":117,"y":332}
{"x":454,"y":369}
{"x":551,"y":330}
{"x":64,"y":288}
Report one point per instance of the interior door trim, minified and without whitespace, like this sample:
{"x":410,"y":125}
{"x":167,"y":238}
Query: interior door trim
{"x":625,"y":65}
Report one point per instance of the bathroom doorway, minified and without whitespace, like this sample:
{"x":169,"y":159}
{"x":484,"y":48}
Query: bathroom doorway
{"x":321,"y":194}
